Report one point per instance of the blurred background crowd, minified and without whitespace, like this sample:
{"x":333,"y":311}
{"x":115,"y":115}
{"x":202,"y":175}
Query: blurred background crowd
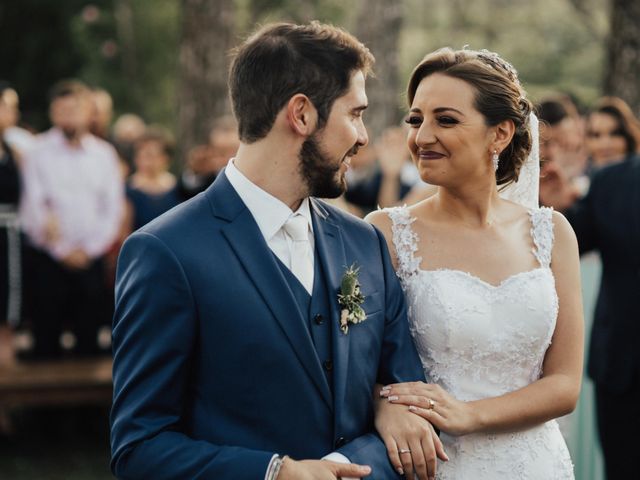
{"x":114,"y":111}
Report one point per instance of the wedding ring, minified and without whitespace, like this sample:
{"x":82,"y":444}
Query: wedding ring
{"x":431,"y":404}
{"x":403,"y":450}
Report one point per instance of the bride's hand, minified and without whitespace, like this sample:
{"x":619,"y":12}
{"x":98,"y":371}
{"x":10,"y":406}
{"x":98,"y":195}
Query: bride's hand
{"x":433,"y":403}
{"x":411,"y":442}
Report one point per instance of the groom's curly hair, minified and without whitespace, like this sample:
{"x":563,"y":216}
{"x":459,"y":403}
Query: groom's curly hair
{"x":283,"y":59}
{"x":499,"y":97}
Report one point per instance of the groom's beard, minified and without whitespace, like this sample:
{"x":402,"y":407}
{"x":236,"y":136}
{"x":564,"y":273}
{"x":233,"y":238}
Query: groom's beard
{"x":322,"y":177}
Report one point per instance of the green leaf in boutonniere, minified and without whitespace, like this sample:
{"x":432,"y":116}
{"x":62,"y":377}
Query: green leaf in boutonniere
{"x":350,"y":299}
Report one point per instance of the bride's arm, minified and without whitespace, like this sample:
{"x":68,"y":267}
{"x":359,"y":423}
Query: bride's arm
{"x":553,"y":395}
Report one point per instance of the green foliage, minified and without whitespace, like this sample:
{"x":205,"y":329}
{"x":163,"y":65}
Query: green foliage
{"x":263,"y":11}
{"x":550,"y":43}
{"x":43,"y":41}
{"x":140,"y":72}
{"x":554,"y":45}
{"x":37,"y":48}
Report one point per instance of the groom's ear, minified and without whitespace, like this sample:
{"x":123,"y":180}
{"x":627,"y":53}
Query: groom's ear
{"x":302,"y":116}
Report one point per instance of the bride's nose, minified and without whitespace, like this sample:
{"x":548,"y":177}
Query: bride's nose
{"x":425,"y":135}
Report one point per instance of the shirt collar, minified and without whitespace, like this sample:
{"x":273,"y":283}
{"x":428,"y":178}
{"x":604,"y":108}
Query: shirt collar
{"x":85,"y":142}
{"x":269,"y":212}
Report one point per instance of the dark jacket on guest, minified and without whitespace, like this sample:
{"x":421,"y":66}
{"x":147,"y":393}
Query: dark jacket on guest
{"x":608,"y":220}
{"x":9,"y":177}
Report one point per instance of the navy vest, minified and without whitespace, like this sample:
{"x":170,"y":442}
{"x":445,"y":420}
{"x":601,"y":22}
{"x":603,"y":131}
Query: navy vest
{"x":316,"y":312}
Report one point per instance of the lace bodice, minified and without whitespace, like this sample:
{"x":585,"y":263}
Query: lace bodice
{"x":479,"y":340}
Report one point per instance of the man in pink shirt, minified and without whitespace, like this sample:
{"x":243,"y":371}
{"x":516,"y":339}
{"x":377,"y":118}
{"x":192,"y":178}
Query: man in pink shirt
{"x":71,"y":211}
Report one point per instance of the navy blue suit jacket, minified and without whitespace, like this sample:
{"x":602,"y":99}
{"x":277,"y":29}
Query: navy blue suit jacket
{"x":214,"y":367}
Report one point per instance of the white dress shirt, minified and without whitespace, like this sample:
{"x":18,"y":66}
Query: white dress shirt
{"x":271,"y":214}
{"x":80,"y":186}
{"x":19,"y":139}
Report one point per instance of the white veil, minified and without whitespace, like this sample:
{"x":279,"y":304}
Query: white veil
{"x":525,"y":191}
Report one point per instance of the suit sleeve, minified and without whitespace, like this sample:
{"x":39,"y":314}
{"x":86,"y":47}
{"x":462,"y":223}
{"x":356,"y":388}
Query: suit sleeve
{"x":581,"y":216}
{"x":153,"y":341}
{"x":399,"y":362}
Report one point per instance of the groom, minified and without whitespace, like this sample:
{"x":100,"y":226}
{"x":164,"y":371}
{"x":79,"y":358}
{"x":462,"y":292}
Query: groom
{"x":233,"y":352}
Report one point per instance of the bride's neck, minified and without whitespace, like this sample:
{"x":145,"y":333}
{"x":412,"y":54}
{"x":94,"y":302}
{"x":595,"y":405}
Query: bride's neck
{"x":475,"y":207}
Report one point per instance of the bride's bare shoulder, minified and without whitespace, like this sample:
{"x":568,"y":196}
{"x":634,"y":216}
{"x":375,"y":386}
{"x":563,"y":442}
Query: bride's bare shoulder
{"x":381,"y":220}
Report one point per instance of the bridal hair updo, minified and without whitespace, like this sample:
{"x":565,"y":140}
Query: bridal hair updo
{"x":499,"y":97}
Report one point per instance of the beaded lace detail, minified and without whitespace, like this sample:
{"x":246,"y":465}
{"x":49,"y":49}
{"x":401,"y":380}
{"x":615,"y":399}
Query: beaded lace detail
{"x":479,"y":340}
{"x":542,"y":234}
{"x":406,"y":242}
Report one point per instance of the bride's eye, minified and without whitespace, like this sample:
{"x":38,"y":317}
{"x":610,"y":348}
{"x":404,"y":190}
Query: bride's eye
{"x":413,"y":120}
{"x":447,"y":121}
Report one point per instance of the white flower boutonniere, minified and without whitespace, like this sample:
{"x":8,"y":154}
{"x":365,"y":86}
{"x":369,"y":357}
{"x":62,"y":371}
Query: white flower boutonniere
{"x":350,"y":299}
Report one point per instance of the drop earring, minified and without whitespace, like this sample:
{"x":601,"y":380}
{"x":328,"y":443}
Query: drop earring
{"x":495,"y":159}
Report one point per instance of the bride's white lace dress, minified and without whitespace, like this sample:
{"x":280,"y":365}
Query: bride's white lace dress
{"x":479,"y":340}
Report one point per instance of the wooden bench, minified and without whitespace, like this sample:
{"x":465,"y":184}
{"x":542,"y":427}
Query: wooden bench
{"x":50,"y":383}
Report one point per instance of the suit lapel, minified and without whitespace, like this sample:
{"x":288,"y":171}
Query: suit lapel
{"x":248,"y":244}
{"x":331,"y":253}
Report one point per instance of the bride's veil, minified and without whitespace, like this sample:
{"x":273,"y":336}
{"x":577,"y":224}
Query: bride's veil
{"x":525,"y":190}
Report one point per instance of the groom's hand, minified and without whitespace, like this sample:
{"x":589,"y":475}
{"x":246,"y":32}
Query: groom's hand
{"x":320,"y":470}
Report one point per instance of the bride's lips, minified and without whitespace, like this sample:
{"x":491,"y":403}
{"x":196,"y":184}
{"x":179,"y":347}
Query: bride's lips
{"x":430,"y":155}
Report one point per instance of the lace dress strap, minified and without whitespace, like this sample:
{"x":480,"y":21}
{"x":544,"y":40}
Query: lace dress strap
{"x":542,"y":234}
{"x":405,"y":241}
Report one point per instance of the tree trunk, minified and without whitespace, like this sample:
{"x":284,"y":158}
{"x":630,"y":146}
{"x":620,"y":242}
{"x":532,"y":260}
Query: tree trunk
{"x":378,"y":26}
{"x":207,"y":35}
{"x":623,"y":68}
{"x":126,"y":36}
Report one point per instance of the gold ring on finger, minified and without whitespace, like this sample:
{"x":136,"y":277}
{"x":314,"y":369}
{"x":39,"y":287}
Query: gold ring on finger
{"x":431,"y":404}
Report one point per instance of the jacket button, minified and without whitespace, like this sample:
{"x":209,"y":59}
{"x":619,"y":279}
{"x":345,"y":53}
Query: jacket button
{"x":328,"y":365}
{"x":340,"y":442}
{"x":319,"y":319}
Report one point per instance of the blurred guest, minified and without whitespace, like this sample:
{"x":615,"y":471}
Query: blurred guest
{"x":18,"y":138}
{"x":71,"y":211}
{"x":127,"y":129}
{"x":9,"y":196}
{"x":397,"y":174}
{"x":152,"y":189}
{"x":613,"y":132}
{"x":607,"y":220}
{"x":102,"y":113}
{"x":205,"y":162}
{"x":386,"y":182}
{"x":562,"y":135}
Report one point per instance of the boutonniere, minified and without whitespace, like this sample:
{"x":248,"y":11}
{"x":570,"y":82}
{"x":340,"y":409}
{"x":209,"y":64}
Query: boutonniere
{"x":350,"y":299}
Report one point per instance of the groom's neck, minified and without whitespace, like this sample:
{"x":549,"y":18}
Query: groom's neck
{"x":273,"y":165}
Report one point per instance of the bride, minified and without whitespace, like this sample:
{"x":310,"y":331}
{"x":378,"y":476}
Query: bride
{"x":493,"y":286}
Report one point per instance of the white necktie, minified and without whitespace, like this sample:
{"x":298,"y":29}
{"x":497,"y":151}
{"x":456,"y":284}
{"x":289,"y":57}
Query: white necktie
{"x":297,"y":227}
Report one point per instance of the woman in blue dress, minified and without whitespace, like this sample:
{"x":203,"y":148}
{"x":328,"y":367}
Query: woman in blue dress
{"x":152,"y":189}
